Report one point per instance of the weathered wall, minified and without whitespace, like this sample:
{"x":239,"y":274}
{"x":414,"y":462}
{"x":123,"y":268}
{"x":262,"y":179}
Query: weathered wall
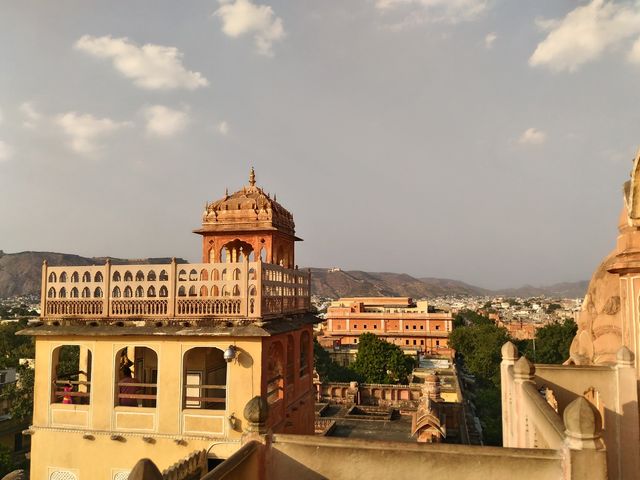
{"x":312,"y":458}
{"x":58,"y":429}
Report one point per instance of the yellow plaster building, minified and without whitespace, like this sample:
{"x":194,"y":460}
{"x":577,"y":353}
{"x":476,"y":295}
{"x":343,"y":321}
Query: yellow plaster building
{"x":159,"y":361}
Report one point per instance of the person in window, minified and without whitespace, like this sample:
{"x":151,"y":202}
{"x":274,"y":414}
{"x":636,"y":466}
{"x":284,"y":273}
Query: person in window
{"x":125,"y":389}
{"x":66,"y":398}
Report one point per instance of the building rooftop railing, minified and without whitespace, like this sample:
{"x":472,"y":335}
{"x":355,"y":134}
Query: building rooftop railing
{"x":189,"y":290}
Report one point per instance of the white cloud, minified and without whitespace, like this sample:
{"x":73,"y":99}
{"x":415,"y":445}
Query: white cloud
{"x":532,"y":136}
{"x":242,"y":17}
{"x":153,"y":67}
{"x":223,"y":128}
{"x":85,"y":131}
{"x":31,"y":114}
{"x":490,"y":39}
{"x":422,"y":11}
{"x":6,"y":152}
{"x":164,"y":122}
{"x":585,"y":33}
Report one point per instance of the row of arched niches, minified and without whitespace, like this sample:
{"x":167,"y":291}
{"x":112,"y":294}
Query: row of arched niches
{"x":155,"y":284}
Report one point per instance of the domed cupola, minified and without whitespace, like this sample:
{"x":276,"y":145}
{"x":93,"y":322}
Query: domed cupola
{"x":248,"y":223}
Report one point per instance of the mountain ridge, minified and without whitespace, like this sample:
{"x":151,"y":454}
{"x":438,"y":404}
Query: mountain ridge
{"x":20,"y":274}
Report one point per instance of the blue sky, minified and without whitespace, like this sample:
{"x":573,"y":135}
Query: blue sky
{"x":481,"y":140}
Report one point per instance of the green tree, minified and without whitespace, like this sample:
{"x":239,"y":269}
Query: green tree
{"x":378,"y":361}
{"x":14,"y":347}
{"x":480,"y":345}
{"x":468,"y":317}
{"x":6,"y":461}
{"x":330,"y":371}
{"x":552,"y":342}
{"x":20,"y":394}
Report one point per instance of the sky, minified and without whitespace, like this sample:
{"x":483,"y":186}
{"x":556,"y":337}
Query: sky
{"x":480,"y":140}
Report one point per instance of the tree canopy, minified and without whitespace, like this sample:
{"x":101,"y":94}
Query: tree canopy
{"x":382,"y":362}
{"x":552,"y":342}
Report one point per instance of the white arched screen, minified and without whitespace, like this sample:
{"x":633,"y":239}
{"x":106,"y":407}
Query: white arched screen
{"x":62,"y":475}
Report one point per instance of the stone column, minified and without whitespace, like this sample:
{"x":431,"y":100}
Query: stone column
{"x":43,"y":289}
{"x":523,"y":372}
{"x":173,"y":280}
{"x":106,"y":306}
{"x":586,"y":451}
{"x":509,"y":357}
{"x":626,"y":396}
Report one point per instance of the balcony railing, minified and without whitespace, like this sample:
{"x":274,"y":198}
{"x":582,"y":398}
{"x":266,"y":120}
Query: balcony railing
{"x":196,"y":290}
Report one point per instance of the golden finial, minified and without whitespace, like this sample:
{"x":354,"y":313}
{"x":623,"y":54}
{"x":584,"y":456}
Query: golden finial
{"x":252,"y":177}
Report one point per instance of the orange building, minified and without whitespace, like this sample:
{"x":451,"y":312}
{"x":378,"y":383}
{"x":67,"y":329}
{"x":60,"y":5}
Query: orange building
{"x":398,"y":320}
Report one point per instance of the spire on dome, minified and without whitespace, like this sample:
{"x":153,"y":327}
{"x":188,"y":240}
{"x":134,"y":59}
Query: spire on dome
{"x":252,"y":177}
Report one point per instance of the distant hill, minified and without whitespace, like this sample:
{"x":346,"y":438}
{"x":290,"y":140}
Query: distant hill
{"x":21,"y":273}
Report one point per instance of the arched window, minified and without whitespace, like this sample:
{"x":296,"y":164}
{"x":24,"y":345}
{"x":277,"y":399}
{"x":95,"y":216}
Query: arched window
{"x":193,"y":275}
{"x":204,"y":379}
{"x":139,"y":276}
{"x":51,"y":293}
{"x":128,"y":277}
{"x":71,"y":375}
{"x":73,"y":293}
{"x":86,"y":293}
{"x":151,"y":276}
{"x":63,"y":277}
{"x":116,"y":292}
{"x":224,"y":274}
{"x":182,"y":275}
{"x":98,"y":277}
{"x":252,"y":274}
{"x":192,"y":291}
{"x":139,"y":292}
{"x":63,"y":293}
{"x":204,"y":291}
{"x":151,"y":291}
{"x":215,"y":274}
{"x":225,"y":291}
{"x":97,"y":293}
{"x":163,"y":291}
{"x":128,"y":293}
{"x":137,"y":377}
{"x":75,"y":278}
{"x":236,"y":274}
{"x":204,"y":275}
{"x":252,"y":290}
{"x":164,"y":276}
{"x":305,"y":346}
{"x":52,"y":277}
{"x":215,"y":291}
{"x":182,"y":292}
{"x":116,"y":276}
{"x":236,"y":291}
{"x":86,"y":277}
{"x":275,"y":373}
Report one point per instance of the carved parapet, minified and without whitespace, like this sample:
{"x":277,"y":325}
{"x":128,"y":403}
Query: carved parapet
{"x":509,"y":352}
{"x":583,"y":425}
{"x":193,"y":466}
{"x":145,"y":469}
{"x":523,"y":369}
{"x":256,"y":412}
